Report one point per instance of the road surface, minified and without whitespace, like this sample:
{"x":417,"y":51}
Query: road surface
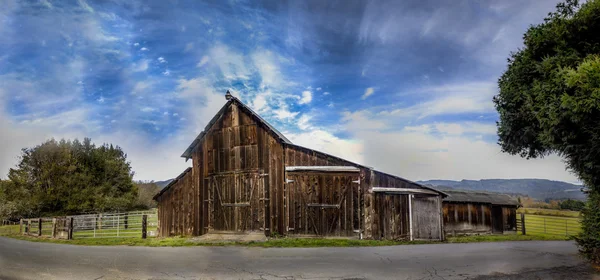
{"x":506,"y":260}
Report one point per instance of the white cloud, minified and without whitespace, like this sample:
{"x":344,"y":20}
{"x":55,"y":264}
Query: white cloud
{"x":303,"y":122}
{"x":148,"y":109}
{"x":330,"y":105}
{"x":450,"y":100}
{"x":166,"y":72}
{"x":84,"y":5}
{"x":318,"y":89}
{"x":142,"y":87}
{"x":188,"y":47}
{"x":324,"y":141}
{"x":326,"y":93}
{"x":368,"y":92}
{"x":144,"y":49}
{"x":231,"y":64}
{"x":203,"y":61}
{"x":136,"y":44}
{"x":162,"y":60}
{"x":141,"y":66}
{"x":306,"y":97}
{"x":100,"y":100}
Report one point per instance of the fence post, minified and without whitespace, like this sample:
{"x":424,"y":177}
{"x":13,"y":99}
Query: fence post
{"x":523,"y":224}
{"x":567,"y":227}
{"x":126,"y":220}
{"x":544,"y":225}
{"x":39,"y":226}
{"x":70,"y":228}
{"x":28,"y":226}
{"x":20,"y":226}
{"x":53,"y":227}
{"x":144,"y":225}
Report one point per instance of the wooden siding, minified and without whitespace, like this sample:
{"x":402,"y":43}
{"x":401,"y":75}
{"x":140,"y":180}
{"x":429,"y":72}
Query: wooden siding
{"x":426,"y":217}
{"x":475,"y":218}
{"x":176,"y":208}
{"x":391,"y":216}
{"x":323,"y":204}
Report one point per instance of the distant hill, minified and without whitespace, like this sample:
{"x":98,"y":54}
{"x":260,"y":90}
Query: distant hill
{"x":539,"y":189}
{"x":164,"y":183}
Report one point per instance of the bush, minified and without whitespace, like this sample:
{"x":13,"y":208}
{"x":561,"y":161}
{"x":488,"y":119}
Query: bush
{"x":589,"y":239}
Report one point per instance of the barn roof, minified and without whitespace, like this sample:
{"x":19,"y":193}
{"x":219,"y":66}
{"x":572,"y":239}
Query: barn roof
{"x":480,"y":197}
{"x":188,"y":152}
{"x":167,"y":187}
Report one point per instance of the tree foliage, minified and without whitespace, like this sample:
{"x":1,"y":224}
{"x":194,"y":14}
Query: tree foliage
{"x":573,"y":205}
{"x":68,"y":177}
{"x":146,"y":192}
{"x":549,"y":101}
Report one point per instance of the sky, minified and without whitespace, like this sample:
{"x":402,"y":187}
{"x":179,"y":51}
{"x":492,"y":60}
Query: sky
{"x":405,"y":87}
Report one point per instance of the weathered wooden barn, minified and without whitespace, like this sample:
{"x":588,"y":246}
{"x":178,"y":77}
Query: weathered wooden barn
{"x":248,"y":177}
{"x":471,"y":212}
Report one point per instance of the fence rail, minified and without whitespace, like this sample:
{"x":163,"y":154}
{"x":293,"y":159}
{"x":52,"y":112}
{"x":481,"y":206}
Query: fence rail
{"x":104,"y":225}
{"x":529,"y":224}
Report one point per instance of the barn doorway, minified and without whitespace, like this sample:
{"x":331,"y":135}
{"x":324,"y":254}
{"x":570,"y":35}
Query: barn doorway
{"x":497,"y":221}
{"x":323,"y":204}
{"x":236,"y":202}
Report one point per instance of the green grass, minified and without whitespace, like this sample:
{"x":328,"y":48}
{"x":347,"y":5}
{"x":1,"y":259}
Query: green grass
{"x":549,"y":212}
{"x":13,"y":232}
{"x":500,"y":238}
{"x":551,"y":225}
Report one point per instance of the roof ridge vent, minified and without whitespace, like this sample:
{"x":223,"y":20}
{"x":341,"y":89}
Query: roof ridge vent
{"x":228,"y":95}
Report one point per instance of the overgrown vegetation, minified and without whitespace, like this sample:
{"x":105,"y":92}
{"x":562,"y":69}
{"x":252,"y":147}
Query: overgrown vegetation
{"x":69,"y":177}
{"x":549,"y":102}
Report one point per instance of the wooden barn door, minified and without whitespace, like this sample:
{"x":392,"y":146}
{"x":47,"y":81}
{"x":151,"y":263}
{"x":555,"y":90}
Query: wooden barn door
{"x":322,"y":204}
{"x":236,"y":202}
{"x":426,"y":218}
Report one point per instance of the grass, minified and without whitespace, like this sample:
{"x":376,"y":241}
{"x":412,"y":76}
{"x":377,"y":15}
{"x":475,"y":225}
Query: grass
{"x":549,"y":212}
{"x":13,"y":232}
{"x":551,"y":225}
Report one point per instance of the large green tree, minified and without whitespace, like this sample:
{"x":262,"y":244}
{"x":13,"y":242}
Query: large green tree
{"x":68,"y":177}
{"x":549,"y":102}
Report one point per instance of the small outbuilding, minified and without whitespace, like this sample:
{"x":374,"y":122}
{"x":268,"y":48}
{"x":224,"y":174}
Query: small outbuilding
{"x":246,"y":177}
{"x":473,"y":212}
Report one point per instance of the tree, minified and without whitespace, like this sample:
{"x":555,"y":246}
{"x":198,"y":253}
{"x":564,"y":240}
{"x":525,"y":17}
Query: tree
{"x":573,"y":205}
{"x":68,"y":177}
{"x":549,"y":102}
{"x":146,"y":192}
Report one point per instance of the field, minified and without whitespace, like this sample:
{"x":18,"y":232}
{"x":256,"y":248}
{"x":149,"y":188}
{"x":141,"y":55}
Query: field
{"x":549,"y":212}
{"x":549,"y":222}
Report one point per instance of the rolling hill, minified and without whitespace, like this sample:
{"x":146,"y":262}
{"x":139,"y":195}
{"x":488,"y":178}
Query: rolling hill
{"x":539,"y":189}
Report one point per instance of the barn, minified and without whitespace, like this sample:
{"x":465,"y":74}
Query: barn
{"x":472,"y":212}
{"x":248,"y":177}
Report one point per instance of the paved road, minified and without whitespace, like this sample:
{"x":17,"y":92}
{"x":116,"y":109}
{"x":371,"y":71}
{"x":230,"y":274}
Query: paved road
{"x":508,"y":260}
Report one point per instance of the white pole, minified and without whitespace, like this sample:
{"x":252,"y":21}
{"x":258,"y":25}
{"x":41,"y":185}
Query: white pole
{"x":410,"y":224}
{"x":117,"y":225}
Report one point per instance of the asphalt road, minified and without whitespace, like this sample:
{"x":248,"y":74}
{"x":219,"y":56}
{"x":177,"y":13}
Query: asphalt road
{"x":507,"y":260}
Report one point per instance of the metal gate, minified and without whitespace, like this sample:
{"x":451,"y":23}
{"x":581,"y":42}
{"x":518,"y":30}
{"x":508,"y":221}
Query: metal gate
{"x":236,"y":202}
{"x":323,"y":204}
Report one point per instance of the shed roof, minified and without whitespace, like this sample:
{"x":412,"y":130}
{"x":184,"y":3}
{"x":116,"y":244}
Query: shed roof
{"x":188,"y":152}
{"x":167,"y":187}
{"x":480,"y":197}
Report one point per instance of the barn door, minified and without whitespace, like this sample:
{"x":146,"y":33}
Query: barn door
{"x":323,"y":204}
{"x":236,"y":202}
{"x":426,"y":218}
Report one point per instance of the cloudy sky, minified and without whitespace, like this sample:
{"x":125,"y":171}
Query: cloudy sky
{"x":402,"y":86}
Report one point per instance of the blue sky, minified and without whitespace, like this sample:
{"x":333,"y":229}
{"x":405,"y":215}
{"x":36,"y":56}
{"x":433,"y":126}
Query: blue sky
{"x":403,"y":86}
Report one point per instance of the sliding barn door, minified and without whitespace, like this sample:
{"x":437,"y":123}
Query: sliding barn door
{"x":236,"y":202}
{"x":322,"y":204}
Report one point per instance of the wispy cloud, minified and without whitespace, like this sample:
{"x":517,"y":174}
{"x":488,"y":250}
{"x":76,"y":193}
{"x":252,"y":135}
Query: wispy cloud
{"x":368,"y":92}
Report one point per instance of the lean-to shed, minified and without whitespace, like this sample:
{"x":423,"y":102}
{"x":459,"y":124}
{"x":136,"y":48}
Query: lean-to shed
{"x":473,"y":212}
{"x":248,"y":177}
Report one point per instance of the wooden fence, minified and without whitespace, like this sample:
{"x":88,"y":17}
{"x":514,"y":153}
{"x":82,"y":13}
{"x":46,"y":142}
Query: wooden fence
{"x":529,"y":224}
{"x":103,"y":225}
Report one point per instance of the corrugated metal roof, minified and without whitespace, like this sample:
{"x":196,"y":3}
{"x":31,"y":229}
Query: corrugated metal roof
{"x":479,"y":197}
{"x":188,"y":152}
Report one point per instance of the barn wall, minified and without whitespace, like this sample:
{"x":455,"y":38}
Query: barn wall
{"x":426,"y":222}
{"x":467,"y":218}
{"x":509,"y":216}
{"x":239,"y":162}
{"x":176,"y":208}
